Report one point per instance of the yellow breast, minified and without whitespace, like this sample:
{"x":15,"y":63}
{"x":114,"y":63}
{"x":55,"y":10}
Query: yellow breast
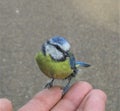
{"x":53,"y":69}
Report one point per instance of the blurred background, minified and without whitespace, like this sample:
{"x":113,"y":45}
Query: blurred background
{"x":91,"y":26}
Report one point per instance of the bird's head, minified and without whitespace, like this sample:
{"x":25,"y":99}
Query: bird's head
{"x":57,"y":47}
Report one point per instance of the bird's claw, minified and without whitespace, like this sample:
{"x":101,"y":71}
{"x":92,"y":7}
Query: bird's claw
{"x":49,"y":84}
{"x":65,"y":89}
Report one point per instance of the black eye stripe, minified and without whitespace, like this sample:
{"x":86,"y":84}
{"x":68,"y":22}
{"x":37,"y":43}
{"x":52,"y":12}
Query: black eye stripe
{"x":61,"y":50}
{"x":57,"y":47}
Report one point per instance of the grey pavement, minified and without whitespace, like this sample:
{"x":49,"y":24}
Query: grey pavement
{"x":92,"y":28}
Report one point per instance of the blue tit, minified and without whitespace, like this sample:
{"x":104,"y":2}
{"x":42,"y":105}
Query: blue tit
{"x":56,"y":61}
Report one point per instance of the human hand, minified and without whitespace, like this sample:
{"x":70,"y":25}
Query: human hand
{"x":80,"y":97}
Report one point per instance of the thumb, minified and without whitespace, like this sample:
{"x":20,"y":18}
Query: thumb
{"x":5,"y":105}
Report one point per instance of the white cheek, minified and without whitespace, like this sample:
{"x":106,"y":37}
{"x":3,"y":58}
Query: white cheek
{"x":57,"y":54}
{"x":54,"y":52}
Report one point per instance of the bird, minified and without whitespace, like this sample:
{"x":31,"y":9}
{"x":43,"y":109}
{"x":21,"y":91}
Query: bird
{"x":56,"y":61}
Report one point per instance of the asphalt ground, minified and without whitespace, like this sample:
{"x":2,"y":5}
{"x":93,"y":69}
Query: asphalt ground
{"x":92,"y":28}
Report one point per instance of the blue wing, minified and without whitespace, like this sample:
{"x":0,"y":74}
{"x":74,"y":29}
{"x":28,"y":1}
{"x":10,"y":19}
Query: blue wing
{"x":72,"y":61}
{"x":83,"y":64}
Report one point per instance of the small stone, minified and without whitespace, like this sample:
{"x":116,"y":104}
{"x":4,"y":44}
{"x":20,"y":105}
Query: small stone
{"x":17,"y":11}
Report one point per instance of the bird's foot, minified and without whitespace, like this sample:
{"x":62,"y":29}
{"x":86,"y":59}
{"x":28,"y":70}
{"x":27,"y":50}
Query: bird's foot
{"x":65,"y":89}
{"x":49,"y":84}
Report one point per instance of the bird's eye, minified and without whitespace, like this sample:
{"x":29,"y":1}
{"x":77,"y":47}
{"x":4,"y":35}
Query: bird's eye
{"x":56,"y":52}
{"x":57,"y":47}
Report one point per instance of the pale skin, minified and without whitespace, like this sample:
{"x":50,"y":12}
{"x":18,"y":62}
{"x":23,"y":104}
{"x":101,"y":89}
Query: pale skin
{"x":80,"y":97}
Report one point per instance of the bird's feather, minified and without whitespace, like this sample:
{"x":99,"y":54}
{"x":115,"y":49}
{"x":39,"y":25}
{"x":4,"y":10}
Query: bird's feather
{"x":82,"y":64}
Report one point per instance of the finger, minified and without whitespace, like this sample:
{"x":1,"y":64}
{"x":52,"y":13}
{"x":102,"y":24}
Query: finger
{"x":44,"y":100}
{"x":73,"y":97}
{"x":5,"y":105}
{"x":94,"y":101}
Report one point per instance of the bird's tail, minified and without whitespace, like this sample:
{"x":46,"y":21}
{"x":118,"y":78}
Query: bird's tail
{"x":82,"y":64}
